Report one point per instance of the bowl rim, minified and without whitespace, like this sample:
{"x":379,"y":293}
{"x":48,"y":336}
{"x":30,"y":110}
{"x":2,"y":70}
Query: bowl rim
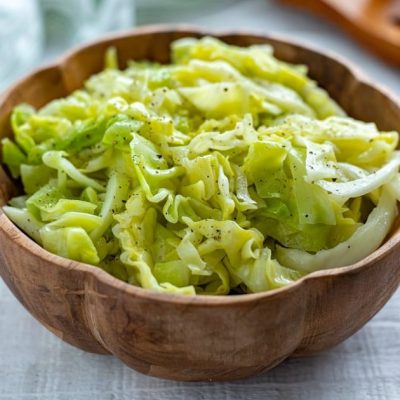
{"x":24,"y":241}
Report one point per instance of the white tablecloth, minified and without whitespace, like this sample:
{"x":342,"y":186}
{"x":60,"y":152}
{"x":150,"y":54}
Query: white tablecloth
{"x":35,"y":365}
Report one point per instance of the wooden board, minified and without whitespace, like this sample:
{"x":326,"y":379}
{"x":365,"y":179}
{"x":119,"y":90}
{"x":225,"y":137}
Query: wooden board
{"x":374,"y":23}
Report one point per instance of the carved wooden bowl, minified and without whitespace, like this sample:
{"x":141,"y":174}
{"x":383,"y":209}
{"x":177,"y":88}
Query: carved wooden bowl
{"x":195,"y":338}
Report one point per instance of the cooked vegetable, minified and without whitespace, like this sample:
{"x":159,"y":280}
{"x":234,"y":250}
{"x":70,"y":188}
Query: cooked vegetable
{"x":225,"y":171}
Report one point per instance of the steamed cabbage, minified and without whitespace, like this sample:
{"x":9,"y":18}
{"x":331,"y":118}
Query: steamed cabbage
{"x":225,"y":171}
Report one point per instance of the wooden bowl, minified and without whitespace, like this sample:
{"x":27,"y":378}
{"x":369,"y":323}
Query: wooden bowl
{"x":195,"y":338}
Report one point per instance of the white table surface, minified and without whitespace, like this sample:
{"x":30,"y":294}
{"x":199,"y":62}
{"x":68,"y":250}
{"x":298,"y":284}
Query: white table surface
{"x":35,"y":365}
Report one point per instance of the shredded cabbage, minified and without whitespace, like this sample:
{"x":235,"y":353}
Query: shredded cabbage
{"x":226,"y":171}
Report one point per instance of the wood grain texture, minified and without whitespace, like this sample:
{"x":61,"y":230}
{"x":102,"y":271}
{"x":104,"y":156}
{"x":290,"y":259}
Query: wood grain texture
{"x":35,"y":365}
{"x":196,"y":338}
{"x":374,"y":23}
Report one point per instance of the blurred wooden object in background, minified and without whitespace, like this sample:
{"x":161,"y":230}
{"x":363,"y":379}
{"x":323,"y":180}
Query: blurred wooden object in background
{"x":375,"y":23}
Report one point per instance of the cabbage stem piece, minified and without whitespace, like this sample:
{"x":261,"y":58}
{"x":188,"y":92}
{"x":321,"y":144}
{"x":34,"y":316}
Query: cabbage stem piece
{"x":116,"y":192}
{"x":25,"y":221}
{"x":56,"y":160}
{"x":366,"y":184}
{"x":364,"y":241}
